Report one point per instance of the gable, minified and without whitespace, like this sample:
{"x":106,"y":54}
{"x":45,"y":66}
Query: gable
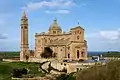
{"x":78,"y":27}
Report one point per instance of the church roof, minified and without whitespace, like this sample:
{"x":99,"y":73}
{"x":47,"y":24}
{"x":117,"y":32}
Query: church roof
{"x":79,"y":45}
{"x":61,"y":41}
{"x":55,"y":26}
{"x":77,"y":27}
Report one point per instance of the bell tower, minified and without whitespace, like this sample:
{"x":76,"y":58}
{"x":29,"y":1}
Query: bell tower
{"x":24,"y":53}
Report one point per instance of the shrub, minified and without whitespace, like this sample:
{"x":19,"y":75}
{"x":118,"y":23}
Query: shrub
{"x":65,"y":77}
{"x":24,"y":71}
{"x":109,"y":71}
{"x":16,"y":73}
{"x":19,"y":72}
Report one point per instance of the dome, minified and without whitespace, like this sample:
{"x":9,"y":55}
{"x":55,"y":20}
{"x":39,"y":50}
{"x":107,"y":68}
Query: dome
{"x":55,"y":26}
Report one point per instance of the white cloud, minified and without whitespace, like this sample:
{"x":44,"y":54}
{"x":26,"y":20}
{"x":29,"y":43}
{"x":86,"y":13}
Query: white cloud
{"x":104,"y":40}
{"x":110,"y":35}
{"x":49,"y":4}
{"x":3,"y":36}
{"x":58,"y":12}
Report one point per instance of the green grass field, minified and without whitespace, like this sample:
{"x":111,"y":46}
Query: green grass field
{"x":9,"y":54}
{"x":6,"y":68}
{"x":6,"y":55}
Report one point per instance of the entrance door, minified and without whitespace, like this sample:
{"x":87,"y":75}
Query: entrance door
{"x":78,"y":54}
{"x":68,"y":55}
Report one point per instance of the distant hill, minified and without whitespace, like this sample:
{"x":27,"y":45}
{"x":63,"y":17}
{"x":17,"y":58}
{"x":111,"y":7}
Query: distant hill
{"x":105,"y":54}
{"x":111,"y":54}
{"x":90,"y":53}
{"x":9,"y":55}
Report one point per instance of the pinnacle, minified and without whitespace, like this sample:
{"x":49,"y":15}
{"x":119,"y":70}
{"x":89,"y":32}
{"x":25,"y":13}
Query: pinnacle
{"x":55,"y":20}
{"x":24,"y":14}
{"x":78,"y":22}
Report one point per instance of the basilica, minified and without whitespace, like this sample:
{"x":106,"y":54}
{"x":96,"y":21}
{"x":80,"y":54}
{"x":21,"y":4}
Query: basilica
{"x":70,"y":45}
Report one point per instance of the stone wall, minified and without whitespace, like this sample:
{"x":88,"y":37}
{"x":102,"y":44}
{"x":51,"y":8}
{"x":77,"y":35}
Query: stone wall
{"x":10,"y":60}
{"x":37,"y":78}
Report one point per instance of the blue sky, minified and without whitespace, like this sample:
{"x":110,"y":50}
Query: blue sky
{"x":99,"y":18}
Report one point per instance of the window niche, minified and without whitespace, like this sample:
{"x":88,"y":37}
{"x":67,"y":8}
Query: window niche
{"x":78,"y":37}
{"x":54,"y":32}
{"x":82,"y":54}
{"x":68,"y":48}
{"x":51,"y":41}
{"x":39,"y":41}
{"x":25,"y":27}
{"x":77,"y":69}
{"x":45,"y":40}
{"x":80,"y":32}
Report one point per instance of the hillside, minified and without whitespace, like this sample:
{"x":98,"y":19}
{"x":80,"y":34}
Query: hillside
{"x":109,"y":72}
{"x":111,"y":54}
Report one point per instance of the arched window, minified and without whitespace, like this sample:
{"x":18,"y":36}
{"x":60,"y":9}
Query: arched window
{"x":77,"y":69}
{"x":45,"y":41}
{"x":54,"y":32}
{"x":78,"y":37}
{"x":78,"y":54}
{"x":68,"y":48}
{"x":25,"y":27}
{"x":82,"y":54}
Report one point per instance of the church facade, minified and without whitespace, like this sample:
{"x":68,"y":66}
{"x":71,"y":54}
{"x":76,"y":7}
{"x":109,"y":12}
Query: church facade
{"x":71,"y":44}
{"x":66,"y":45}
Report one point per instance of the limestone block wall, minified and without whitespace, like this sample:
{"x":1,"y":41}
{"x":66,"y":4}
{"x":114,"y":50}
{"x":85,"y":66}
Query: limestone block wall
{"x":73,"y":51}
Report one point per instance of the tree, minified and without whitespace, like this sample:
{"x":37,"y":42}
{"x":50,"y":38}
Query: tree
{"x":24,"y":71}
{"x":16,"y":73}
{"x":62,"y":77}
{"x":66,"y":77}
{"x":19,"y":72}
